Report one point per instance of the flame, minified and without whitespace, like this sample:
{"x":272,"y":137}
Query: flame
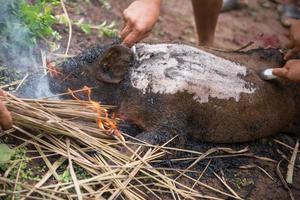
{"x":53,"y":71}
{"x":103,"y":121}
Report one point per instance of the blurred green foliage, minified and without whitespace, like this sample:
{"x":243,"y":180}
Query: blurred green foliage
{"x":38,"y":17}
{"x":32,"y":20}
{"x":22,"y":24}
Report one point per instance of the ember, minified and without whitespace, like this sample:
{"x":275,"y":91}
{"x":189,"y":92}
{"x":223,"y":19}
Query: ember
{"x":52,"y":69}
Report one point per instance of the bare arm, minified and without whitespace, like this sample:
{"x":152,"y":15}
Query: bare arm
{"x":139,"y":19}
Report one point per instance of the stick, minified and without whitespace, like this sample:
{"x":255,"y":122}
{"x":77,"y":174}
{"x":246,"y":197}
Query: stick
{"x":10,"y":84}
{"x":73,"y":174}
{"x":22,"y":81}
{"x":70,"y":26}
{"x":16,"y":181}
{"x":290,"y":172}
{"x":227,"y":186}
{"x":283,"y":181}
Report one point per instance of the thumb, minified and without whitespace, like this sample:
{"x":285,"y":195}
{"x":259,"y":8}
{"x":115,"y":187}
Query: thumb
{"x":280,"y":72}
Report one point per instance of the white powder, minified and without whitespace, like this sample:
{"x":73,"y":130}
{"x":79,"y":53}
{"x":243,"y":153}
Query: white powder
{"x":172,"y":68}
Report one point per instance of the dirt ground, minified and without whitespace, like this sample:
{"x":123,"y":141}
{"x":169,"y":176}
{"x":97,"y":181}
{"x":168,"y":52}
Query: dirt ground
{"x":235,"y":29}
{"x":176,"y":24}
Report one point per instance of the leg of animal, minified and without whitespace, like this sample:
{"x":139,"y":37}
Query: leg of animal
{"x":206,"y":14}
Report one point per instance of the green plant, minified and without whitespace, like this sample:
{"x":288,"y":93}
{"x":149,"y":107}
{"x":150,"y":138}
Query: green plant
{"x":65,"y":177}
{"x":108,"y":30}
{"x":105,"y":4}
{"x":34,"y":20}
{"x":103,"y":29}
{"x":26,"y":172}
{"x":38,"y":17}
{"x":22,"y":24}
{"x":243,"y":182}
{"x":19,"y":161}
{"x":6,"y":155}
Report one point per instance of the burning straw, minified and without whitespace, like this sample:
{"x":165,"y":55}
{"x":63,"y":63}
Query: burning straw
{"x":67,"y":129}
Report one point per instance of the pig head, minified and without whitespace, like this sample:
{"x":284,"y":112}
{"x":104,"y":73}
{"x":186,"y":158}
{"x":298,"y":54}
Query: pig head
{"x":174,"y":90}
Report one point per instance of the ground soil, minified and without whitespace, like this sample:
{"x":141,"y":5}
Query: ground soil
{"x":256,"y":23}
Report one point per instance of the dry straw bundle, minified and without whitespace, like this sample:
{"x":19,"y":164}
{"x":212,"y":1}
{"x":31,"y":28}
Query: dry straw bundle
{"x":66,"y":130}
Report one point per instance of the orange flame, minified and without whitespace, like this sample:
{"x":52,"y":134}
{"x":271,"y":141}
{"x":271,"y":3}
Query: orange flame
{"x":53,"y":71}
{"x":103,"y":121}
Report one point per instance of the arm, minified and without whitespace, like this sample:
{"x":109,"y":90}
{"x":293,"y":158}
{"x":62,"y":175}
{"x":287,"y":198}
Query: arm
{"x":140,"y":17}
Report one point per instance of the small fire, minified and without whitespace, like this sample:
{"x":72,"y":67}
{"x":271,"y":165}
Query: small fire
{"x":53,"y":71}
{"x":103,"y":120}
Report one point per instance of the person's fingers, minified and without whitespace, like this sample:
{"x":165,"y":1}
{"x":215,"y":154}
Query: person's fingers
{"x":292,"y":53}
{"x":125,"y":19}
{"x":132,"y":38}
{"x":127,"y":25}
{"x":125,"y":32}
{"x":5,"y":117}
{"x":145,"y":35}
{"x":280,"y":72}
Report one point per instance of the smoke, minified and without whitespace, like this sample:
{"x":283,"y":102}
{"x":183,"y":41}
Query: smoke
{"x":17,"y":48}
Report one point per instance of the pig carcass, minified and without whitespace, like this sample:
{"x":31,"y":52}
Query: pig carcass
{"x":178,"y":90}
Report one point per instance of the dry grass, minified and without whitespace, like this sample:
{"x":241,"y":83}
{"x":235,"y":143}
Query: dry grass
{"x":63,"y":132}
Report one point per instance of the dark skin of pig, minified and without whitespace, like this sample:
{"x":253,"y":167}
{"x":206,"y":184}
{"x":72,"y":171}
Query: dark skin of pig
{"x":269,"y":110}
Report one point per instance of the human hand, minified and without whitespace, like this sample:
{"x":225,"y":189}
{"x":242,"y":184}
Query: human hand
{"x":294,"y":44}
{"x":139,"y":19}
{"x":290,"y":71}
{"x":5,"y":116}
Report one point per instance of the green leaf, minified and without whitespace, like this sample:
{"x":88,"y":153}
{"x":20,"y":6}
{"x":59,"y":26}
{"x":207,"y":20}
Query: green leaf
{"x":66,"y":176}
{"x":5,"y":153}
{"x":86,"y":28}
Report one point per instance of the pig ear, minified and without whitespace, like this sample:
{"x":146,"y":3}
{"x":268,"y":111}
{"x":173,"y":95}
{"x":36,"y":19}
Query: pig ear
{"x":114,"y":64}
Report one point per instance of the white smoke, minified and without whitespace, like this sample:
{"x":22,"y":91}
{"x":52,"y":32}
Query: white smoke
{"x":16,"y":49}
